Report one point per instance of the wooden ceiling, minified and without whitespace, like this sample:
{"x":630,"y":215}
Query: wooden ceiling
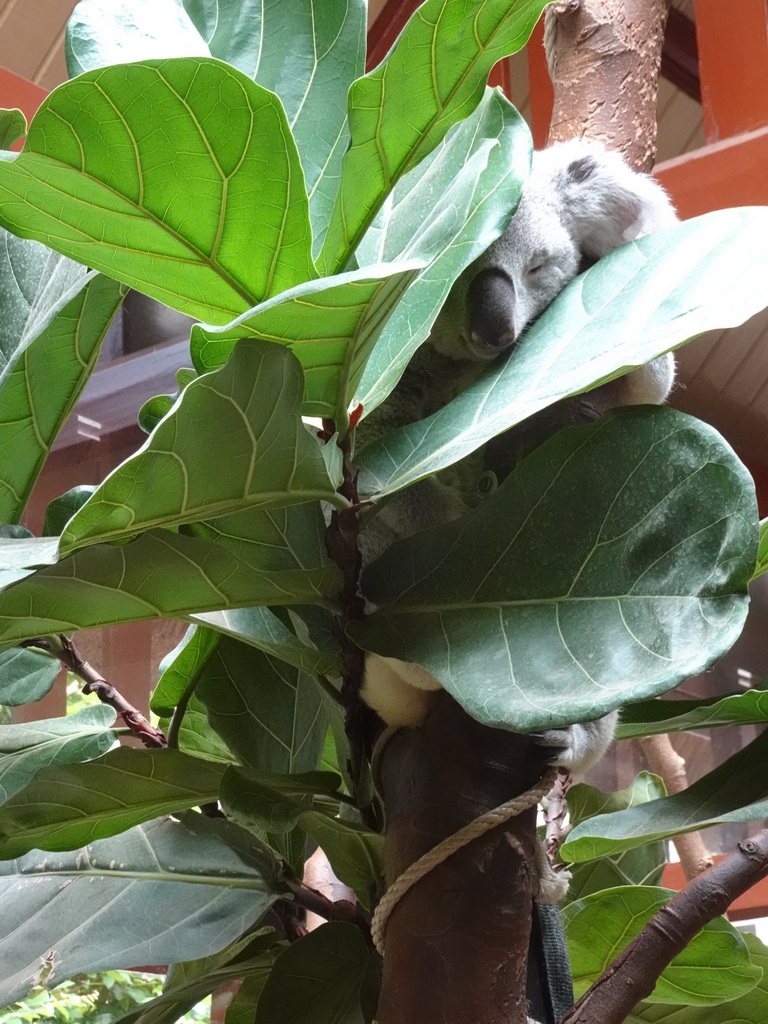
{"x":723,"y":377}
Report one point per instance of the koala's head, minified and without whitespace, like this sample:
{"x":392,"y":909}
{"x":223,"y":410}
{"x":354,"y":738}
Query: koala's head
{"x":578,"y":204}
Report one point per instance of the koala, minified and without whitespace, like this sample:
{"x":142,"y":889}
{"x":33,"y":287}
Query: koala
{"x":578,"y":204}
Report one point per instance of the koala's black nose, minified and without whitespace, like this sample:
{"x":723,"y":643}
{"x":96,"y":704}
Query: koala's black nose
{"x":490,"y":308}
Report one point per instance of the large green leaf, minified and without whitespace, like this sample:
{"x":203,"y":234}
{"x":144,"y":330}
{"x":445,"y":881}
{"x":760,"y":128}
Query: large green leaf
{"x":286,"y":543}
{"x":747,"y":1009}
{"x":434,"y":76}
{"x":257,"y":454}
{"x":35,"y":284}
{"x":26,"y":676}
{"x":251,"y":958}
{"x":210,"y":218}
{"x":264,"y":801}
{"x":611,"y":565}
{"x":713,"y":967}
{"x":330,"y":325}
{"x":308,"y":52}
{"x":66,"y":806}
{"x":270,"y":714}
{"x":356,"y":854}
{"x":642,"y":300}
{"x":317,"y":979}
{"x":183,"y":873}
{"x":450,"y":208}
{"x":29,"y":746}
{"x":44,"y":378}
{"x":736,"y":790}
{"x":261,"y":628}
{"x":641,"y":866}
{"x":158,"y":575}
{"x":99,"y":34}
{"x":649,"y":718}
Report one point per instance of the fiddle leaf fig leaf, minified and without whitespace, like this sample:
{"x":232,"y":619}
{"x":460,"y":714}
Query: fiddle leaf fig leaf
{"x":611,"y":565}
{"x":191,"y":874}
{"x":641,"y":866}
{"x":258,"y":454}
{"x":61,"y":509}
{"x":450,"y":208}
{"x":43,"y":381}
{"x":330,"y":325}
{"x":270,"y":802}
{"x":355,"y":854}
{"x":209,"y":218}
{"x":66,"y":805}
{"x":25,"y":676}
{"x":318,"y":978}
{"x":261,"y":628}
{"x":155,"y":408}
{"x":270,"y":714}
{"x":105,"y":584}
{"x":181,"y":668}
{"x":186,"y":984}
{"x":100,"y":34}
{"x":713,"y":967}
{"x":13,"y":126}
{"x":26,"y":747}
{"x":433,"y":77}
{"x":316,"y":50}
{"x":652,"y":717}
{"x":640,"y":301}
{"x":746,"y":1009}
{"x":735,"y":791}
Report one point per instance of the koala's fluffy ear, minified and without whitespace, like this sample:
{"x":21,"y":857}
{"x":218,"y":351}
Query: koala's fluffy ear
{"x":603,"y":202}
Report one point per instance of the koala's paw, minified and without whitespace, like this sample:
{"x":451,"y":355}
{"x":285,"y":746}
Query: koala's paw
{"x":551,"y":886}
{"x":578,"y":747}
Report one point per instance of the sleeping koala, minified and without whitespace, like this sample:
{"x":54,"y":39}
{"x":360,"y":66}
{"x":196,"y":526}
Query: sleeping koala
{"x":578,"y":204}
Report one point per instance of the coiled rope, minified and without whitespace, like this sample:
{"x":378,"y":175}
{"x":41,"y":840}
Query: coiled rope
{"x":473,"y":830}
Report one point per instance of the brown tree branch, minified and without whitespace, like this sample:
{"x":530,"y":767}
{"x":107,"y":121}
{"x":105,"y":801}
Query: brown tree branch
{"x":664,"y":761}
{"x":633,"y":974}
{"x":69,"y":656}
{"x":555,"y":811}
{"x":330,"y":910}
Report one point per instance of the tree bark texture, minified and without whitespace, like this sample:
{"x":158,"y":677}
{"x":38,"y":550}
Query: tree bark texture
{"x":604,"y":58}
{"x":457,"y":942}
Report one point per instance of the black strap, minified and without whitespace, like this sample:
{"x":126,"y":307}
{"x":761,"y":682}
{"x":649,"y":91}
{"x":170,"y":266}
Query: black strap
{"x":550,"y":985}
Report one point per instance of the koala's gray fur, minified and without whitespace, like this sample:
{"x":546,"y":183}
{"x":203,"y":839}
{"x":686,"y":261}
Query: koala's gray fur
{"x":578,"y":204}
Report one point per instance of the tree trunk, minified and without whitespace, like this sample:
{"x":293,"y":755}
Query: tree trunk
{"x":604,"y":58}
{"x":457,"y":942}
